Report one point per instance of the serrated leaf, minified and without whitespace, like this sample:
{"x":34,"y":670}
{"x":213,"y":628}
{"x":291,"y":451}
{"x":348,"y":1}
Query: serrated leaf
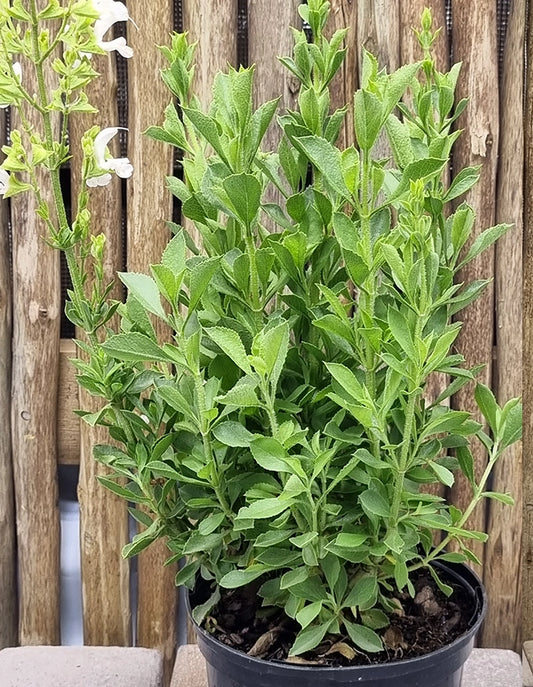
{"x":484,"y":240}
{"x":233,"y":434}
{"x":244,"y":193}
{"x":373,"y":502}
{"x":201,"y":275}
{"x":230,"y":342}
{"x":134,"y":347}
{"x":264,"y":508}
{"x":145,"y":291}
{"x":327,"y":159}
{"x":368,"y":115}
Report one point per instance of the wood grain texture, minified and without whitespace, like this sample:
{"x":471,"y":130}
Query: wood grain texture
{"x":342,"y":89}
{"x":35,"y":351}
{"x":378,"y":31}
{"x":478,"y":145}
{"x":527,"y":466}
{"x":149,"y":206}
{"x":8,"y":578}
{"x":268,"y":40}
{"x":501,"y":571}
{"x":410,"y":18}
{"x":68,"y":424}
{"x":103,"y":515}
{"x":213,"y":23}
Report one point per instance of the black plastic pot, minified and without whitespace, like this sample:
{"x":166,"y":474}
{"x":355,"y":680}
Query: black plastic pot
{"x":227,"y":667}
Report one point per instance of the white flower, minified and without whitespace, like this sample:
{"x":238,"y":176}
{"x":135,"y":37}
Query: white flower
{"x":102,"y":180}
{"x":111,"y":11}
{"x":4,"y":181}
{"x":120,"y":165}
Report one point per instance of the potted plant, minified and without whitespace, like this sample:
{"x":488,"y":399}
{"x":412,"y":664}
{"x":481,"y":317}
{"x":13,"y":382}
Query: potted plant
{"x":280,"y":439}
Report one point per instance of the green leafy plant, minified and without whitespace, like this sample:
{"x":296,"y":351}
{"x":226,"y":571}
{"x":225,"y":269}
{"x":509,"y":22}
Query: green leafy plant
{"x":282,"y":434}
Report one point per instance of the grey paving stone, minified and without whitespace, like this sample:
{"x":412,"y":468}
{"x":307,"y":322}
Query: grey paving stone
{"x":527,"y":664}
{"x":87,"y":666}
{"x":492,"y":668}
{"x":189,"y":669}
{"x":484,"y":668}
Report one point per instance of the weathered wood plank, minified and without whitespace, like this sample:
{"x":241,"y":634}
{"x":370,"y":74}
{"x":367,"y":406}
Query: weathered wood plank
{"x":378,"y":31}
{"x":8,"y":578}
{"x":478,"y":145}
{"x":410,"y":18}
{"x":213,"y":23}
{"x":35,"y":350}
{"x":68,"y":424}
{"x":501,"y":572}
{"x":103,"y":516}
{"x":527,"y":471}
{"x":342,"y":89}
{"x":271,"y":78}
{"x":149,"y":206}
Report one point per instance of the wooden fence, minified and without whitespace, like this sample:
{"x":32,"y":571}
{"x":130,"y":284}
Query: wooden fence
{"x":37,"y":389}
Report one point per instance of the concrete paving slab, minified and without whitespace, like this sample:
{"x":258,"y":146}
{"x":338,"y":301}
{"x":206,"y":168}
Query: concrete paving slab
{"x":80,"y":666}
{"x":492,"y":668}
{"x":484,"y":668}
{"x":527,"y":664}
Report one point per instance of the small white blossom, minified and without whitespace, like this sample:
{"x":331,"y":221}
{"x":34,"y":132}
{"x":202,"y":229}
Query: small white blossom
{"x":111,"y":12}
{"x":120,"y":165}
{"x":4,"y":181}
{"x":102,"y":180}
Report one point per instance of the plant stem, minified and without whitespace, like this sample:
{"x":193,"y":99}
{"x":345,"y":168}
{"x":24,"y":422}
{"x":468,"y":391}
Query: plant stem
{"x":254,"y":279}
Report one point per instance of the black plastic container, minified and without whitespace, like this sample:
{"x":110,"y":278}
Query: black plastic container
{"x":227,"y":667}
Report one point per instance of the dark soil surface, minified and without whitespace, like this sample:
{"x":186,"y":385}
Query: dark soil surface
{"x":423,"y":624}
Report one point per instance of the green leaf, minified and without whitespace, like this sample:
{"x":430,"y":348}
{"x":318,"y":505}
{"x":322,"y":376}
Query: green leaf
{"x":233,"y":434}
{"x":144,"y":289}
{"x":346,"y":231}
{"x":264,"y":508}
{"x":230,"y":342}
{"x":498,"y":496}
{"x":207,"y":127}
{"x":309,"y":638}
{"x":373,"y":502}
{"x":364,"y":590}
{"x":274,"y":347}
{"x":419,"y":169}
{"x":484,"y":240}
{"x":488,"y":405}
{"x":444,"y":475}
{"x":368,"y":114}
{"x":244,"y":193}
{"x":238,"y":578}
{"x":199,"y":612}
{"x":327,"y":159}
{"x":143,"y":539}
{"x":512,"y":425}
{"x":201,"y":275}
{"x":308,"y":613}
{"x":396,"y":85}
{"x":400,"y":330}
{"x":450,"y":421}
{"x":350,"y":540}
{"x":242,"y":394}
{"x":348,"y":381}
{"x":462,"y":183}
{"x":211,"y":523}
{"x":293,"y":577}
{"x":363,"y":637}
{"x":303,"y":539}
{"x":269,"y":454}
{"x":134,"y":347}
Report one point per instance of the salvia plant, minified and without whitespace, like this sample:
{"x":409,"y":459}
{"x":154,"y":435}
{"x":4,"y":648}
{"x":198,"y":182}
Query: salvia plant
{"x":281,"y":434}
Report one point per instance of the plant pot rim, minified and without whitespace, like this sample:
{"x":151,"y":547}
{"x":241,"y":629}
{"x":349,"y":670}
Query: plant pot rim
{"x":459,"y":570}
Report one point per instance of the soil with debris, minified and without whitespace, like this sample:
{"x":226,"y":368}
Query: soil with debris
{"x":422,"y":624}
